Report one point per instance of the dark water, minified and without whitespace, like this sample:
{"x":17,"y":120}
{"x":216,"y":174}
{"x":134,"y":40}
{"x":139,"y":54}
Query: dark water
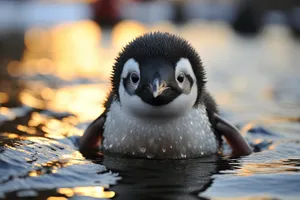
{"x":255,"y":81}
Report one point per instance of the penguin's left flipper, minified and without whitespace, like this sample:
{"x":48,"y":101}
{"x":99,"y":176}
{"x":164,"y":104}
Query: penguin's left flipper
{"x":239,"y":145}
{"x":92,"y":137}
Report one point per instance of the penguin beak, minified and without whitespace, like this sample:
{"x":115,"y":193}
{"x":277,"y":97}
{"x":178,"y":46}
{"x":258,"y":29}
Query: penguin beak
{"x":158,"y":87}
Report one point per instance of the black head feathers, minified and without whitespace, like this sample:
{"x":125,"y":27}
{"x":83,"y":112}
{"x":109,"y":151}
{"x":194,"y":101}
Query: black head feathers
{"x":157,"y":44}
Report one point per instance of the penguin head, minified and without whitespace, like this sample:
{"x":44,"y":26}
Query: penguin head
{"x":158,"y":74}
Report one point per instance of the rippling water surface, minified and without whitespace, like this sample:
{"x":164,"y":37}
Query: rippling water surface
{"x":49,"y":97}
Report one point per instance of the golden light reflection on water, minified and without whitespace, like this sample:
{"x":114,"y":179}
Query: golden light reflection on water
{"x":29,"y":130}
{"x":12,"y":136}
{"x":64,"y":160}
{"x":47,"y":126}
{"x":95,"y":192}
{"x":36,"y":119}
{"x":33,"y":174}
{"x":53,"y":128}
{"x":67,"y":50}
{"x":58,"y":130}
{"x":9,"y":135}
{"x":85,"y":101}
{"x":73,"y":50}
{"x":273,"y":167}
{"x":267,"y":121}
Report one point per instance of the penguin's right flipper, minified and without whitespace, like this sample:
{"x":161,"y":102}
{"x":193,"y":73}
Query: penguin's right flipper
{"x":239,"y":145}
{"x":92,"y":137}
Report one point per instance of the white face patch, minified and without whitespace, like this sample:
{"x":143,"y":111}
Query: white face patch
{"x":134,"y":105}
{"x":130,"y":66}
{"x":184,"y":65}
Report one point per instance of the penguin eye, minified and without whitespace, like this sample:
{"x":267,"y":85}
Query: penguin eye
{"x":180,"y":77}
{"x":134,"y":77}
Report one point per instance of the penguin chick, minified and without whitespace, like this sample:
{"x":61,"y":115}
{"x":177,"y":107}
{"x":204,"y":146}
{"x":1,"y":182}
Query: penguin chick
{"x":159,"y":106}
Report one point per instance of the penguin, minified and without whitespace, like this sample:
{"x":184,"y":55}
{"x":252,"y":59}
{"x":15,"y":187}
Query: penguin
{"x":159,"y":107}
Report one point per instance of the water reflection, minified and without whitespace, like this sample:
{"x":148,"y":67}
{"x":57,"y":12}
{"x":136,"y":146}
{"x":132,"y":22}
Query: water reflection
{"x":70,"y":99}
{"x":279,"y":166}
{"x":95,"y":192}
{"x":64,"y":193}
{"x":164,"y":179}
{"x":50,"y":95}
{"x":43,"y":164}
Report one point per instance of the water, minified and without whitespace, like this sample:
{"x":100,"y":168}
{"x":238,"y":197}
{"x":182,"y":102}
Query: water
{"x":254,"y":80}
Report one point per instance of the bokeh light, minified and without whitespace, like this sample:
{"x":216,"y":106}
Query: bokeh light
{"x":3,"y":97}
{"x":126,"y":31}
{"x":66,"y":50}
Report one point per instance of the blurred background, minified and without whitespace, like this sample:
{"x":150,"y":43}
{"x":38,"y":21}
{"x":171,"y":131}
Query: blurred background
{"x":55,"y":61}
{"x":46,"y":44}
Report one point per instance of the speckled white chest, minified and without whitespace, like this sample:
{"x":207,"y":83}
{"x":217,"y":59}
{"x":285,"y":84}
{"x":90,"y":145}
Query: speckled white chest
{"x":182,"y":137}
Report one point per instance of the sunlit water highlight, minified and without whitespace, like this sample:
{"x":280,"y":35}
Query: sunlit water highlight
{"x":254,"y":80}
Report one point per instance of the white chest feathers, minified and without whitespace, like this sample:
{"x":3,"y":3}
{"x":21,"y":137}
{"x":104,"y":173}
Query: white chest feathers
{"x":188,"y":136}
